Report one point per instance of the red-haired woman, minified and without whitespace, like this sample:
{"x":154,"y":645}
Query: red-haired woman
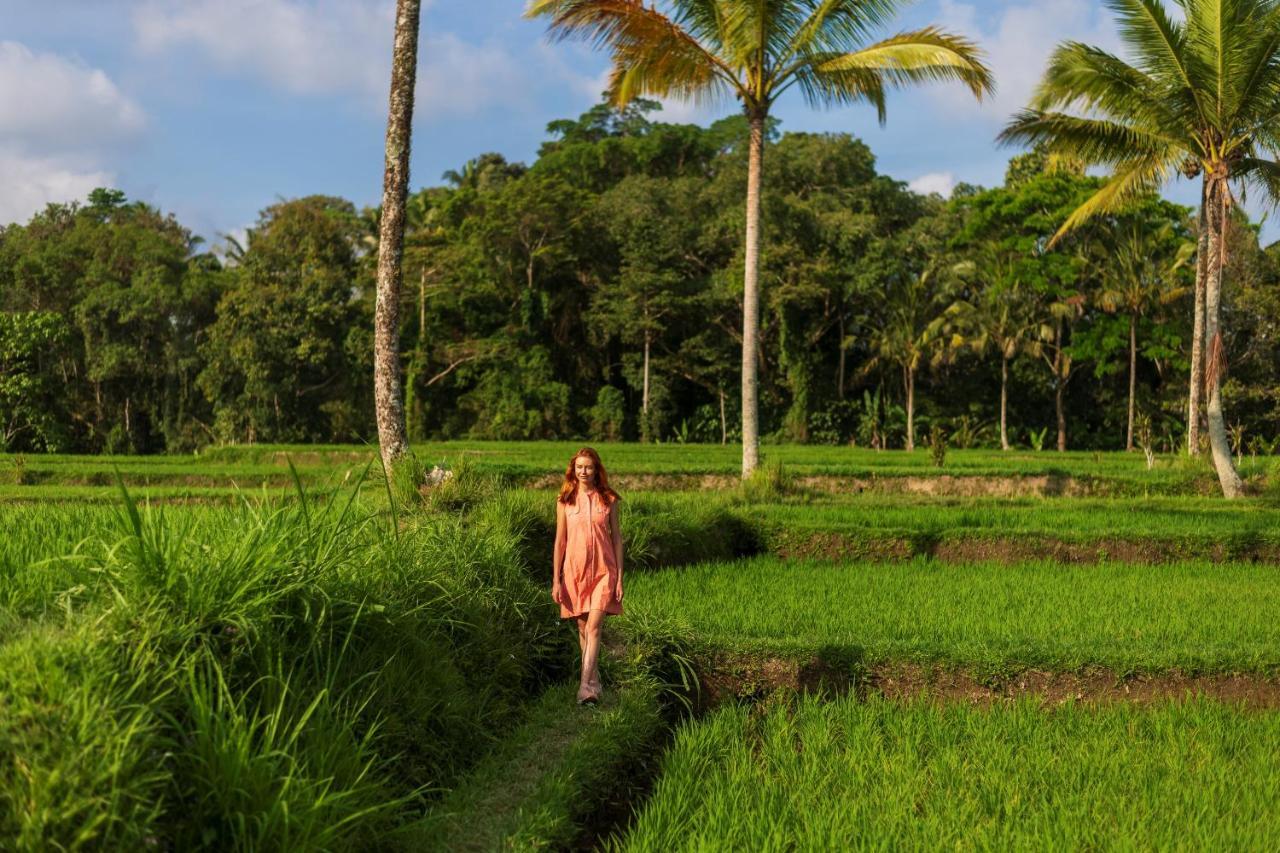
{"x":586,"y":579}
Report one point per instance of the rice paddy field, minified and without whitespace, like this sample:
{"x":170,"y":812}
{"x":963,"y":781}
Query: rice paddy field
{"x":273,"y":648}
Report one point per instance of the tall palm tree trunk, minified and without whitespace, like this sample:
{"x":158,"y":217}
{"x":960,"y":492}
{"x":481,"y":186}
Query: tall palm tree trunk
{"x":751,"y":300}
{"x":1060,"y":389}
{"x":1004,"y":402}
{"x":1197,"y":330}
{"x":841,"y":363}
{"x":724,"y":423}
{"x":644,"y":400}
{"x":909,"y":381}
{"x":1133,"y":373}
{"x":387,"y":391}
{"x":1215,"y":357}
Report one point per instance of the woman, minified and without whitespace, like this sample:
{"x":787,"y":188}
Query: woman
{"x":586,"y":578}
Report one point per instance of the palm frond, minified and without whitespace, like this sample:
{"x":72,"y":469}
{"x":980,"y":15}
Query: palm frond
{"x":1264,"y":174}
{"x":1087,"y":78}
{"x":921,"y":56}
{"x":1129,"y":181}
{"x":1090,"y":140}
{"x":839,"y":26}
{"x":1255,"y":80}
{"x":1160,"y":45}
{"x":652,"y":54}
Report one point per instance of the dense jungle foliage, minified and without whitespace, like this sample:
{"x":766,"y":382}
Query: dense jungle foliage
{"x":542,"y":301}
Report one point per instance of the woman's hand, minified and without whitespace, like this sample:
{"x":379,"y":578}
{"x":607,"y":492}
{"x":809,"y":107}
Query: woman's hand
{"x":557,"y":592}
{"x":617,"y":588}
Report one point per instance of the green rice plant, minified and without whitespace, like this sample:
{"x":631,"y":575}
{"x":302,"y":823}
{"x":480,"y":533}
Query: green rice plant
{"x":82,"y":749}
{"x":276,"y":766}
{"x":768,"y":482}
{"x":280,"y":675}
{"x":937,"y":446}
{"x":850,"y":774}
{"x":460,"y":484}
{"x":1183,"y":616}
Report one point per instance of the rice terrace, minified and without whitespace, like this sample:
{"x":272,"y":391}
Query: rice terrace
{"x":686,"y":476}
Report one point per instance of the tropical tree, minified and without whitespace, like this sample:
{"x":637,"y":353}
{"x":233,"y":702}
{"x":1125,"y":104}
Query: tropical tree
{"x":997,"y":315}
{"x":1200,"y":97}
{"x":388,"y":394}
{"x":703,"y":50}
{"x":1141,"y":273}
{"x":910,"y":329}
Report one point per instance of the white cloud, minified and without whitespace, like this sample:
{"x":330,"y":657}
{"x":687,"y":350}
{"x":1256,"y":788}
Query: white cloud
{"x":30,"y":183}
{"x":59,"y":119}
{"x":303,"y":47}
{"x":48,"y":100}
{"x":941,"y":183}
{"x":459,"y":78}
{"x":330,"y":47}
{"x":1018,"y":41}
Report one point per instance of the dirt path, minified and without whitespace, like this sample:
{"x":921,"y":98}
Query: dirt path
{"x":728,"y":676}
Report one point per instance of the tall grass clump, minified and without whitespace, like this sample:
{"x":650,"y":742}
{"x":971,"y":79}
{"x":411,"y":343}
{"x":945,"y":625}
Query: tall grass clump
{"x":277,"y":675}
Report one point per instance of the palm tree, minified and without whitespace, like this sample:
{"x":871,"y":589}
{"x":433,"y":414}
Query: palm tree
{"x":912,"y":332}
{"x":388,"y":395}
{"x":1200,"y":98}
{"x":755,"y":50}
{"x":1140,"y":275}
{"x":999,"y":316}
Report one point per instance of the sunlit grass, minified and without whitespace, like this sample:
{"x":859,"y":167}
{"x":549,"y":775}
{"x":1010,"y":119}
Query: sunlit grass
{"x":878,"y":775}
{"x":1193,"y":616}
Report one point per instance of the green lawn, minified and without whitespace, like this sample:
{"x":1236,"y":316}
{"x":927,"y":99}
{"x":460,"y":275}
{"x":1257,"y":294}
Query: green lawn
{"x":879,"y":775}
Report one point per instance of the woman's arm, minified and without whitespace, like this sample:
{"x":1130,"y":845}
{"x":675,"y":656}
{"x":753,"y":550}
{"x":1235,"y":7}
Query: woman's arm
{"x":557,"y":553}
{"x":616,"y":529}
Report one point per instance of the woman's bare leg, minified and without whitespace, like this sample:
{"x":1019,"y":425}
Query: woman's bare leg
{"x":584,"y":687}
{"x":591,"y":655}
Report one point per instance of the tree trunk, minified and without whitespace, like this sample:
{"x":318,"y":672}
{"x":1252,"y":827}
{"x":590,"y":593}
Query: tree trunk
{"x":387,"y":392}
{"x":1197,"y":329}
{"x":1059,"y":390}
{"x":644,"y":400}
{"x":723,"y":420}
{"x":840,"y":369}
{"x":1062,"y":416}
{"x":909,"y":380}
{"x":1004,"y":402}
{"x":751,"y":300}
{"x":1133,"y":373}
{"x":1215,"y":357}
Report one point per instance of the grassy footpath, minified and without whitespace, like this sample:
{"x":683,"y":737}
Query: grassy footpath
{"x":1194,"y":617}
{"x":562,"y":765}
{"x":809,"y":775}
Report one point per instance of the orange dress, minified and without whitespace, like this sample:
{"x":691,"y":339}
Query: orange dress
{"x":590,"y":575}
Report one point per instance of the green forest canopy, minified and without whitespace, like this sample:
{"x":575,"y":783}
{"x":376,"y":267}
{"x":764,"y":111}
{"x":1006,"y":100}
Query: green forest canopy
{"x":532,"y":291}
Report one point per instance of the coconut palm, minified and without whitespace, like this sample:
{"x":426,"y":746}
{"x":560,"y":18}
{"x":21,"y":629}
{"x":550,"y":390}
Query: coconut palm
{"x":1000,"y":316}
{"x":387,"y":393}
{"x":1142,"y":273}
{"x":755,"y":50}
{"x":1201,"y":97}
{"x":912,"y":332}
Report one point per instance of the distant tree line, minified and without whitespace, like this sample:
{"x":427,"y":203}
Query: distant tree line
{"x":597,"y":293}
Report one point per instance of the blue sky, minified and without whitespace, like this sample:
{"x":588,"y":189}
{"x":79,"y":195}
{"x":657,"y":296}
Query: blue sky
{"x":213,"y":109}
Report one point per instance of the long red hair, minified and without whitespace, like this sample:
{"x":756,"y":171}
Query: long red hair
{"x":569,"y":489}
